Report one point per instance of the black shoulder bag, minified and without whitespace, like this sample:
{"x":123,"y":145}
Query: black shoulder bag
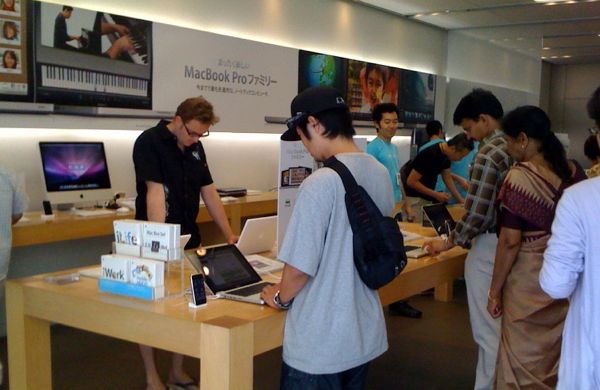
{"x":379,"y":254}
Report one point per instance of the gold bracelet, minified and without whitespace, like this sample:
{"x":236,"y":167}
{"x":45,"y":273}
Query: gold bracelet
{"x":490,"y":298}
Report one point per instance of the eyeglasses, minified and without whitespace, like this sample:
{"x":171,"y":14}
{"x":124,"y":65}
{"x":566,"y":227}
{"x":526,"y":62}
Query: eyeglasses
{"x":295,"y":121}
{"x":594,"y":130}
{"x":196,"y":135}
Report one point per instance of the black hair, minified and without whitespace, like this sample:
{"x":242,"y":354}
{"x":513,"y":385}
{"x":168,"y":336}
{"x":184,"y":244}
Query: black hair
{"x":337,"y":123}
{"x":533,"y":122}
{"x":67,"y":8}
{"x":593,"y":106}
{"x":478,"y":101}
{"x":461,"y":142}
{"x":379,"y":68}
{"x":383,"y":108}
{"x":590,"y":148}
{"x":433,"y":128}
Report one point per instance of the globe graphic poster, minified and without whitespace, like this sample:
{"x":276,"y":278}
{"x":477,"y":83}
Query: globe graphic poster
{"x":317,"y":69}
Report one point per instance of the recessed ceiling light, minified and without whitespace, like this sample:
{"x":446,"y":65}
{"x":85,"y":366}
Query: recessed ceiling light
{"x":543,"y":58}
{"x":566,"y":56}
{"x":418,"y":15}
{"x":552,"y":1}
{"x":435,"y":14}
{"x":554,"y":57}
{"x":546,"y":48}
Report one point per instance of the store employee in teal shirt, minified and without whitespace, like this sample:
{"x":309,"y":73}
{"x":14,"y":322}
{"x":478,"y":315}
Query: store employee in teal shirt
{"x":385,"y":116}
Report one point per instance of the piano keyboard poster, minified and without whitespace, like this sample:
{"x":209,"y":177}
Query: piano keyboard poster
{"x":92,"y":58}
{"x":245,"y":80}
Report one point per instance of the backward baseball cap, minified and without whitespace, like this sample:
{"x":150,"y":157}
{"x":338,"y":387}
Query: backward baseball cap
{"x":311,"y":101}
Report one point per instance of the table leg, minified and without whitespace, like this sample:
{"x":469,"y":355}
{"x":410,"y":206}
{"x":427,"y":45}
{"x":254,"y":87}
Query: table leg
{"x":236,"y":218}
{"x":29,"y":354}
{"x":444,"y":292}
{"x":226,"y":350}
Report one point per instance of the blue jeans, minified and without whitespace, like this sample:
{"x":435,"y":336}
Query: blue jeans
{"x":352,"y":379}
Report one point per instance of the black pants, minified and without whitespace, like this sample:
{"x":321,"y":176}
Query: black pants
{"x":352,"y":379}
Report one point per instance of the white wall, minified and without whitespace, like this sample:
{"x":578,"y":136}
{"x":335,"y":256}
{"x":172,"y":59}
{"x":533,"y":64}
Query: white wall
{"x":248,"y":160}
{"x":509,"y":98}
{"x":485,"y":63}
{"x":570,"y":89}
{"x":334,"y":27}
{"x":473,"y":63}
{"x":337,"y":27}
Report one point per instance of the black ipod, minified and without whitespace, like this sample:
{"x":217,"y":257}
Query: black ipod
{"x":47,"y":207}
{"x":198,"y":292}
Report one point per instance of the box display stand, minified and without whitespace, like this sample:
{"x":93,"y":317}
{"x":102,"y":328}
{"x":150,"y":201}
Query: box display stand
{"x":175,"y":276}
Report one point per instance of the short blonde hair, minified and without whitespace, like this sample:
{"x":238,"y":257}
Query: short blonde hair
{"x":197,"y":108}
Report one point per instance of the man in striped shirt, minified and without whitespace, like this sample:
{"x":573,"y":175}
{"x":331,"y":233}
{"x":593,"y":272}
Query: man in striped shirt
{"x":479,"y":114}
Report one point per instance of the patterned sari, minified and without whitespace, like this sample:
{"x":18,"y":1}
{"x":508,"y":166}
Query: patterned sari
{"x":532,"y":322}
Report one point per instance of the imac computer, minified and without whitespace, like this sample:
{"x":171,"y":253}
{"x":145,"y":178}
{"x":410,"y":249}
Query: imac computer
{"x":75,"y":172}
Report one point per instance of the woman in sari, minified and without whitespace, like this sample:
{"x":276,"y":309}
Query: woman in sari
{"x":532,"y":322}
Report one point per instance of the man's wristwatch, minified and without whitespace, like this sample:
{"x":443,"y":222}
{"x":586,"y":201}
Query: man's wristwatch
{"x":277,"y":302}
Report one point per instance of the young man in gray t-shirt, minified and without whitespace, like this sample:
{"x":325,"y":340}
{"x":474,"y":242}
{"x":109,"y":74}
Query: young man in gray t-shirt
{"x":335,"y":325}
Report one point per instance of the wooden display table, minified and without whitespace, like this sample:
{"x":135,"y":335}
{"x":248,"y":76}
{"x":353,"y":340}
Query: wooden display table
{"x":225,"y":335}
{"x":67,"y":226}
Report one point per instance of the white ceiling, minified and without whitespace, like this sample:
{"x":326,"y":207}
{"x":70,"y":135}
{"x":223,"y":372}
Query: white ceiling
{"x":560,"y":33}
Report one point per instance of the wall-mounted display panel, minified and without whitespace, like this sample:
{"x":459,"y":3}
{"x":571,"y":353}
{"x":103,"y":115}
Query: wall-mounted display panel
{"x":92,"y":58}
{"x":15,"y":69}
{"x":417,"y":96}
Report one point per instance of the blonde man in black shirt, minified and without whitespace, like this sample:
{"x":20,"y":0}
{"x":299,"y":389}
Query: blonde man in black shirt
{"x":171,"y":173}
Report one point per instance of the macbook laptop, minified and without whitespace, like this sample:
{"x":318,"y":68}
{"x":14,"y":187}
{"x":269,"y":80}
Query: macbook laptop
{"x":228,"y":274}
{"x":440,"y":219}
{"x":258,"y":235}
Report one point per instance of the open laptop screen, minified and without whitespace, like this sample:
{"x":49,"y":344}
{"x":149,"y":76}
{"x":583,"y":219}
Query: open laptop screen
{"x":258,"y":235}
{"x":226,"y":268}
{"x":440,"y":218}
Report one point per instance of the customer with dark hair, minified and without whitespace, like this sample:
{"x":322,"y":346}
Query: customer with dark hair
{"x":432,"y":162}
{"x":335,"y":324}
{"x":458,"y":169}
{"x":435,"y":134}
{"x":532,"y":321}
{"x":592,"y":151}
{"x":571,"y":270}
{"x":479,"y":114}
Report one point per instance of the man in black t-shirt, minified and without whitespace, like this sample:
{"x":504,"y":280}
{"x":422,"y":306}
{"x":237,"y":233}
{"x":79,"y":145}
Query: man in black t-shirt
{"x":171,"y":173}
{"x":61,"y":37}
{"x":433,"y":161}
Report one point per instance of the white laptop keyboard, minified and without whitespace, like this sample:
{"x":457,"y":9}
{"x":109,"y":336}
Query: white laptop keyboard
{"x":93,"y":213}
